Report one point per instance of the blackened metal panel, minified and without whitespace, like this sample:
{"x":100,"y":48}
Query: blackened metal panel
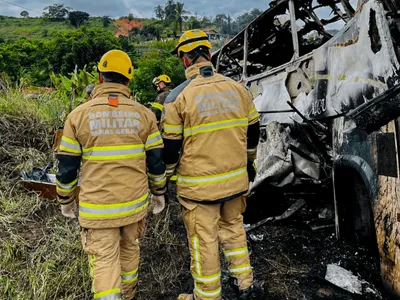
{"x":387,"y":158}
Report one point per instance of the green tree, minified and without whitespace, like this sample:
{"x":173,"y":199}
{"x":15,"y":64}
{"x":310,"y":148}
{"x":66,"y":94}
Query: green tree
{"x":149,"y":32}
{"x":206,"y":22}
{"x":179,"y":15}
{"x":56,"y":12}
{"x":160,"y":13}
{"x":106,"y":21}
{"x":227,"y":26}
{"x":80,"y":47}
{"x":24,"y":14}
{"x":170,"y":10}
{"x":77,"y":18}
{"x":193,"y":23}
{"x":127,"y":46}
{"x":246,"y":18}
{"x":72,"y":88}
{"x":25,"y":58}
{"x":157,"y":61}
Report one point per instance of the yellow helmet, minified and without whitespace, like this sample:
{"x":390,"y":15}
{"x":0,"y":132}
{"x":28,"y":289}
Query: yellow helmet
{"x":164,"y":78}
{"x":191,"y":40}
{"x":116,"y":61}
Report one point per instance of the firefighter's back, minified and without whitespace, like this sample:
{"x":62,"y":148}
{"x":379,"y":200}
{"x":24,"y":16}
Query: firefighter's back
{"x":215,"y":111}
{"x":113,"y":131}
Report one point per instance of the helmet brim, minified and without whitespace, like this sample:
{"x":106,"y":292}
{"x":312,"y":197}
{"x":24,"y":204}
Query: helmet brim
{"x":175,"y":51}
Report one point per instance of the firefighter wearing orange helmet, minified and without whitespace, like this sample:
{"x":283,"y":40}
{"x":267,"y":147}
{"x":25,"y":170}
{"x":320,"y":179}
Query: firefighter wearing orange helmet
{"x":211,"y":132}
{"x":116,"y":145}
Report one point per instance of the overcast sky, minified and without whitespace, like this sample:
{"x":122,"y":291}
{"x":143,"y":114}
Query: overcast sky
{"x":139,"y":8}
{"x":145,"y":8}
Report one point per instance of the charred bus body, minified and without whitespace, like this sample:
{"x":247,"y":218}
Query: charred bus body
{"x":330,"y":107}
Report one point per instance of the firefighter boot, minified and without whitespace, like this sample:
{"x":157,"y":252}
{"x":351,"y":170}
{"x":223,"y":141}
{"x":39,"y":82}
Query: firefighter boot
{"x":186,"y":297}
{"x":250,"y":293}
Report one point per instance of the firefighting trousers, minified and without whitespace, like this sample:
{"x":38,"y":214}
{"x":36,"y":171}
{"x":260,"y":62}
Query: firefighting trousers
{"x":207,"y":225}
{"x":114,"y":260}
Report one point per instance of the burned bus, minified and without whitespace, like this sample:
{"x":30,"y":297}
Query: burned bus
{"x":324,"y":76}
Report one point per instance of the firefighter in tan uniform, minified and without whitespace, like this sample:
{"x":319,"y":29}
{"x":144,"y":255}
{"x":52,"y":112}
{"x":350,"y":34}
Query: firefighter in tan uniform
{"x":162,"y":84}
{"x":212,"y":130}
{"x":120,"y":147}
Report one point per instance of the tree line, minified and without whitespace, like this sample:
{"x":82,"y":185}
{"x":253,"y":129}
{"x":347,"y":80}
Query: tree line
{"x":174,"y":13}
{"x":58,"y":12}
{"x":171,"y":16}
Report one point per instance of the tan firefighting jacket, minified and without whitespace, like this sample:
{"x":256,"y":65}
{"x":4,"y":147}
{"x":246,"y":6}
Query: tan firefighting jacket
{"x":210,"y":119}
{"x":116,"y":144}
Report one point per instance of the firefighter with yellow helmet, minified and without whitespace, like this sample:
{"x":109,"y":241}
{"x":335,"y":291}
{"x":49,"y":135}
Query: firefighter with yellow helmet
{"x":162,"y":84}
{"x":116,"y":145}
{"x":211,"y":129}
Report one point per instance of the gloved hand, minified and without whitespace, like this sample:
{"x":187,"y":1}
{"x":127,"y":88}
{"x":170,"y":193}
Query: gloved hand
{"x":69,"y":210}
{"x":251,"y":170}
{"x":157,"y":204}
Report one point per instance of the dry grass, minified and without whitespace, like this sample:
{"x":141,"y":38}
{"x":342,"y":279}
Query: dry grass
{"x":41,"y":255}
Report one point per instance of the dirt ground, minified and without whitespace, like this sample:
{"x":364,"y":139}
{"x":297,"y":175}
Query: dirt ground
{"x":289,"y":260}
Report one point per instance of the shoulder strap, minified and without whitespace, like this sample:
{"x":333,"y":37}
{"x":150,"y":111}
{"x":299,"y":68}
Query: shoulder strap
{"x":179,"y":89}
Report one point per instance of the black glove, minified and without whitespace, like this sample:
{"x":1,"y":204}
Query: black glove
{"x":251,"y":170}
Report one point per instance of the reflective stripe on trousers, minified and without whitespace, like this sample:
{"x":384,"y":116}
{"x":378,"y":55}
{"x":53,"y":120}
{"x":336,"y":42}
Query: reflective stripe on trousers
{"x":237,"y":270}
{"x":239,"y":252}
{"x":199,"y":278}
{"x":207,"y":294}
{"x":207,"y":279}
{"x":130,"y":277}
{"x":197,"y":256}
{"x":105,"y":211}
{"x":114,"y":294}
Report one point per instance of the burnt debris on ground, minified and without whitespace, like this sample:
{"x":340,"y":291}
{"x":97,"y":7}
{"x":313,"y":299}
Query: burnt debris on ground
{"x":289,"y":258}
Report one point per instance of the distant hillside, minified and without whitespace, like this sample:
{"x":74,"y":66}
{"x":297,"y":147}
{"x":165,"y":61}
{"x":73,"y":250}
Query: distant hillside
{"x":12,"y":28}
